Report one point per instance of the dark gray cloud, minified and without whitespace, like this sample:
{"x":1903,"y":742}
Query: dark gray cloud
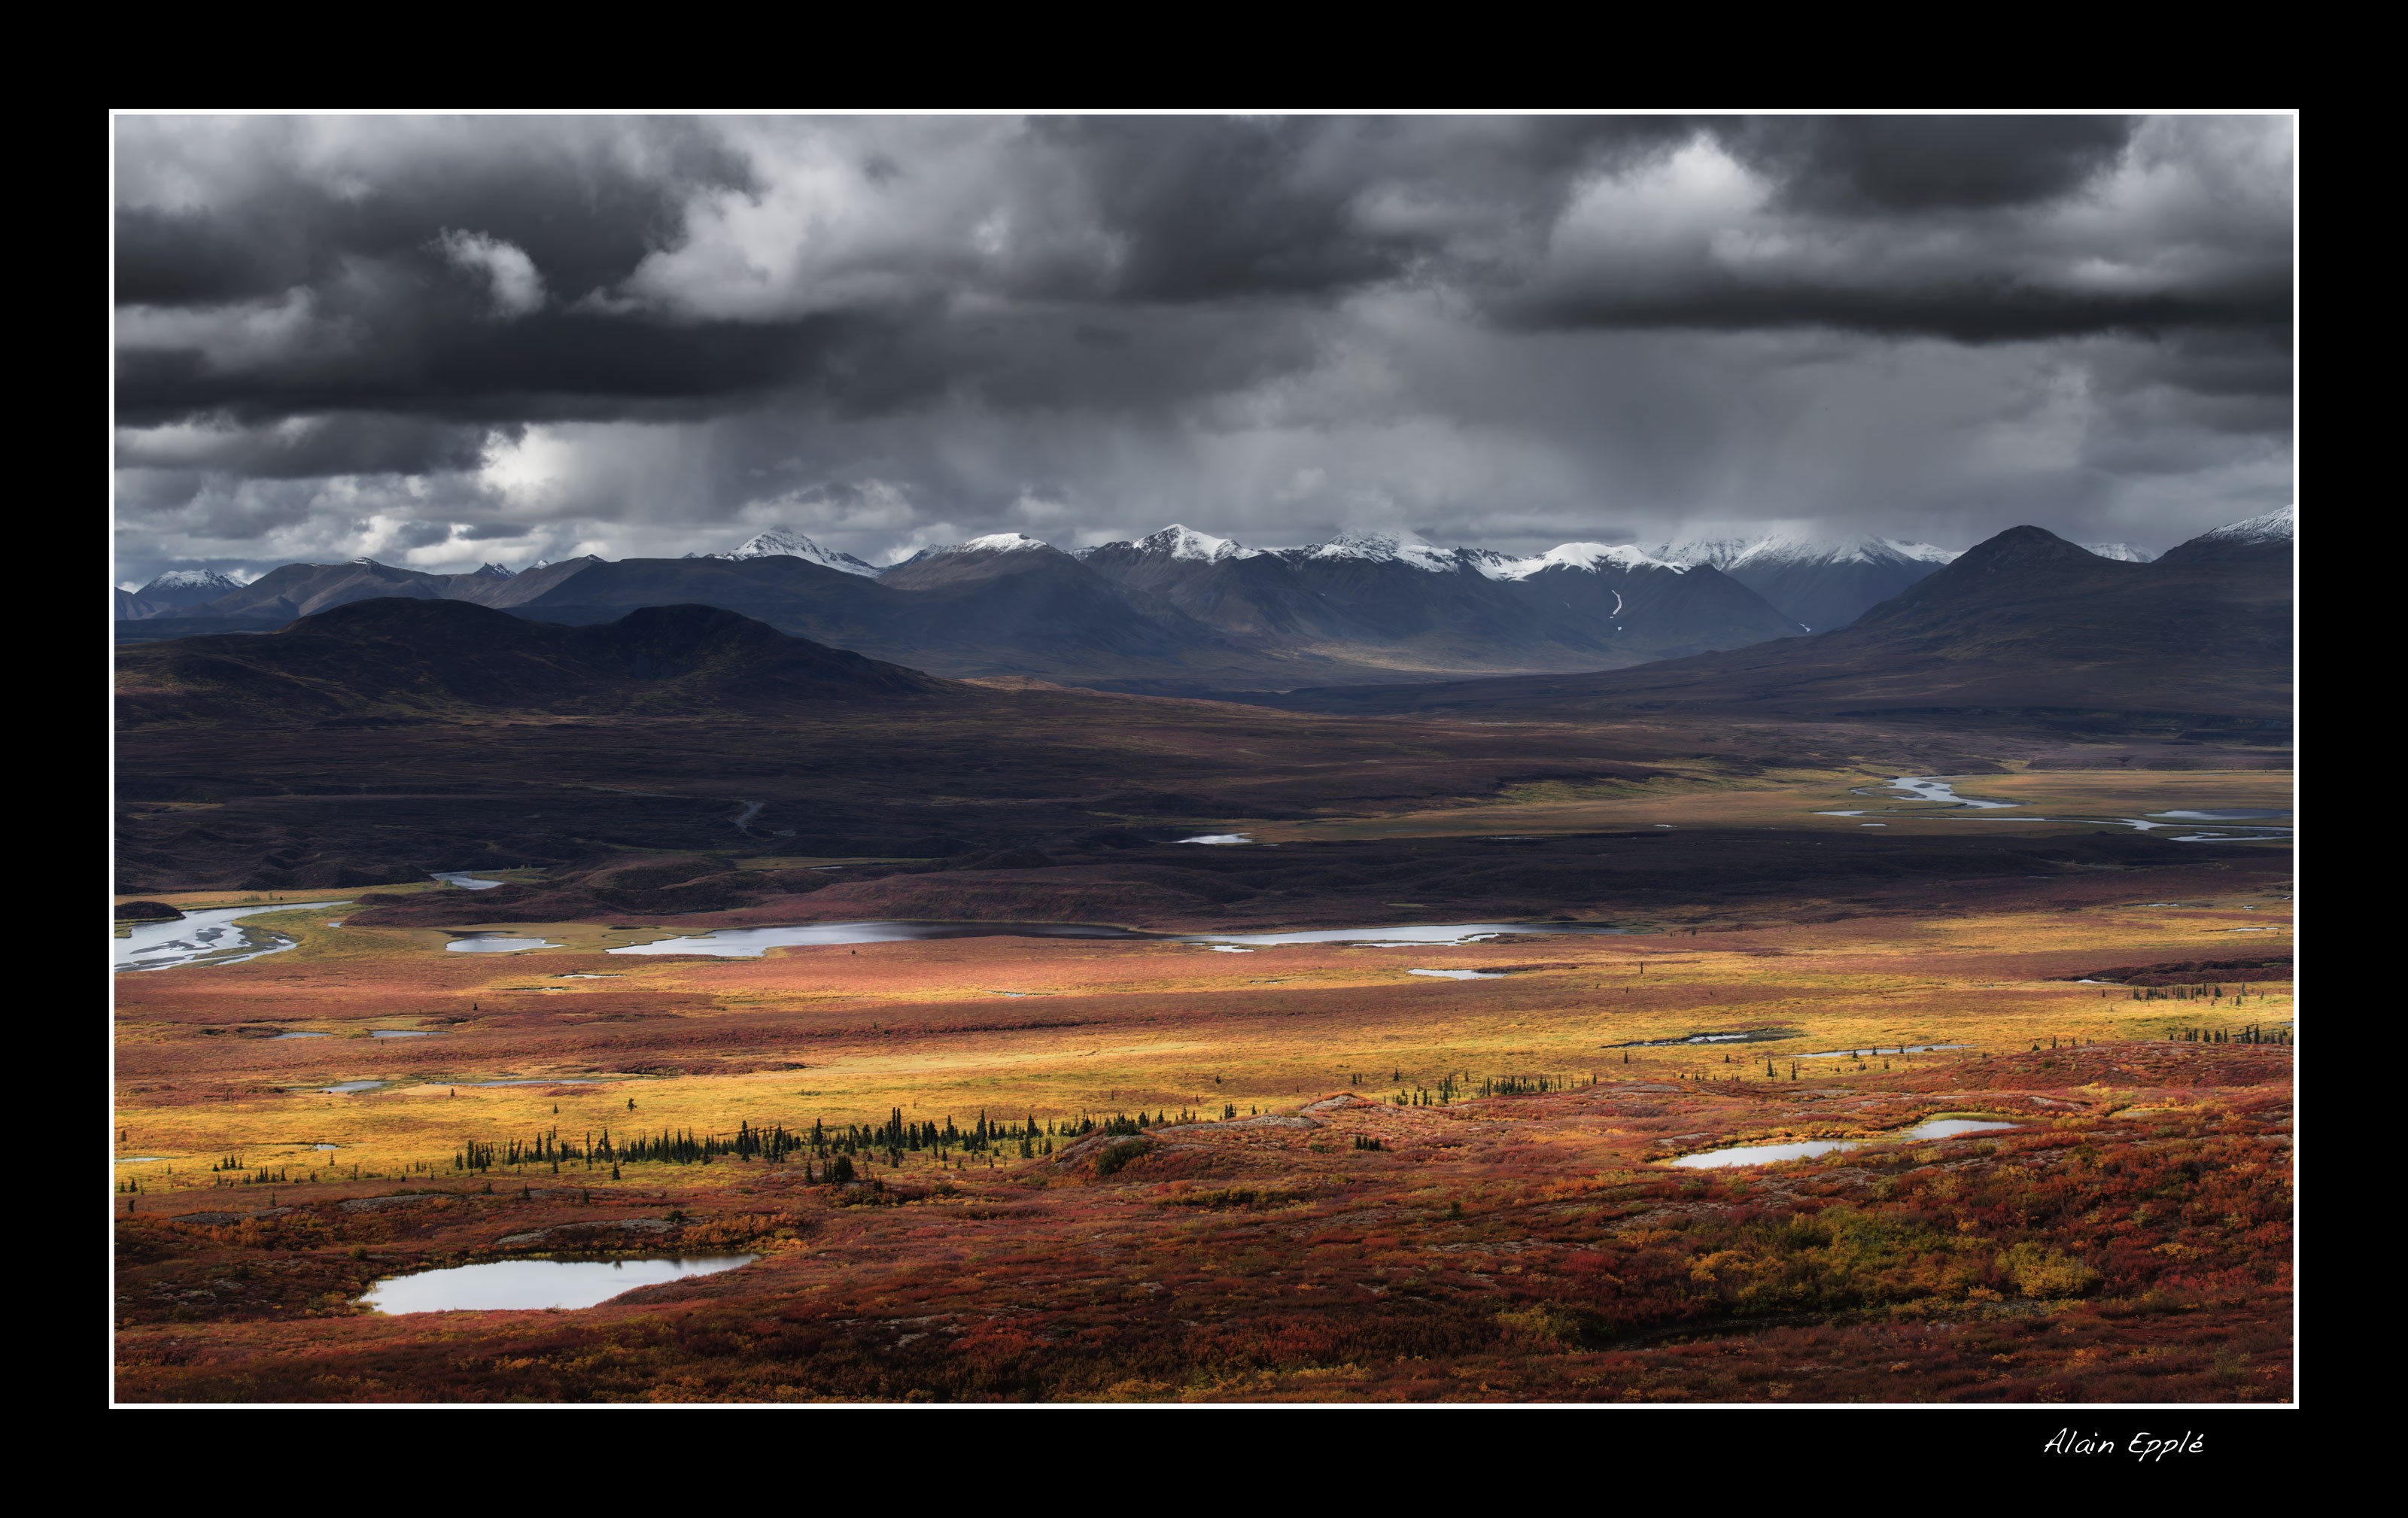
{"x":218,"y":210}
{"x":446,"y":340}
{"x":1876,"y":164}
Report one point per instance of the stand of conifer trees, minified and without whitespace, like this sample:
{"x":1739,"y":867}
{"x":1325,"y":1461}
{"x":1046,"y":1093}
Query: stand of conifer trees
{"x":825,"y":1151}
{"x":2252,"y":1034}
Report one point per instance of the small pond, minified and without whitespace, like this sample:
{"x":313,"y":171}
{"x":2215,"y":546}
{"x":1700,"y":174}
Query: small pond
{"x":1949,"y":1127}
{"x":523,"y":1285}
{"x":1461,"y":975}
{"x":1714,"y":1159}
{"x":495,"y":943}
{"x":527,"y":1081}
{"x":1760,"y":1153}
{"x":466,"y":881}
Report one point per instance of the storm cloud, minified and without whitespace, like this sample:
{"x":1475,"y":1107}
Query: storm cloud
{"x":440,"y":341}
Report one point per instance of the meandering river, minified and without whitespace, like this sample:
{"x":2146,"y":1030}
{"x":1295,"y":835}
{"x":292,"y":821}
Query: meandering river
{"x":216,"y":936}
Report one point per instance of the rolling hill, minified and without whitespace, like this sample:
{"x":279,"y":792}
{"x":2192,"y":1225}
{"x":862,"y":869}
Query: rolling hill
{"x":406,"y":658}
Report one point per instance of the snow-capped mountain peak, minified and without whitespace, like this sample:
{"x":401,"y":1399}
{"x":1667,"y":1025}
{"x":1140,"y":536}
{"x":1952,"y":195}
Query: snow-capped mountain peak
{"x":2280,"y":526}
{"x":1001,"y":543}
{"x":778,"y":542}
{"x":192,"y":580}
{"x":177,"y":589}
{"x":1386,"y":548}
{"x":495,"y":572}
{"x":1181,"y":543}
{"x":1799,"y":548}
{"x":1711,"y":551}
{"x":1589,"y":556}
{"x":784,"y":543}
{"x":991,"y":544}
{"x":1793,"y":547}
{"x":2121,"y":552}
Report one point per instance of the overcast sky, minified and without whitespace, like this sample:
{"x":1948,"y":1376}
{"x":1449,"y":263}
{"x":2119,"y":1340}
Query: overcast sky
{"x":441,"y":341}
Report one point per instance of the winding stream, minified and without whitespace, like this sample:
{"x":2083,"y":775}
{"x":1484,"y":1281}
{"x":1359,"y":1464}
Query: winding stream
{"x":217,"y":937}
{"x":1936,"y":788}
{"x":1942,"y":791}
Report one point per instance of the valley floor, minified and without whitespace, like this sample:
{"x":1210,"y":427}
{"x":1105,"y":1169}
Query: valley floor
{"x":2127,"y":1239}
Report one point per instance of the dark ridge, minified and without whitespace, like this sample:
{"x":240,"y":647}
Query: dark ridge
{"x":2193,"y":971}
{"x":371,"y":663}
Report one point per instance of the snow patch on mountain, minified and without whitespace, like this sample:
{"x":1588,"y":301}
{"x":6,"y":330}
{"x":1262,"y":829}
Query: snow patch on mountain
{"x":2277,"y":526}
{"x":1797,"y":548}
{"x":1592,"y":557}
{"x":1712,"y":552}
{"x":1922,"y":552}
{"x":991,"y":543}
{"x":1179,"y":542}
{"x":1800,"y":548}
{"x":999,"y":543}
{"x":2122,"y":552}
{"x":1387,"y":548}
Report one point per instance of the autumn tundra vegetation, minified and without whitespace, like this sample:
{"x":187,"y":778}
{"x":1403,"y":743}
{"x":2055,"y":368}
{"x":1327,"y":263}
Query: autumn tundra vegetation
{"x":2040,"y":1087}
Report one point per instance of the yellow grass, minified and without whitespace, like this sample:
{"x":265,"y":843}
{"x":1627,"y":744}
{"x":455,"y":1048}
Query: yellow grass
{"x":926,"y":1027}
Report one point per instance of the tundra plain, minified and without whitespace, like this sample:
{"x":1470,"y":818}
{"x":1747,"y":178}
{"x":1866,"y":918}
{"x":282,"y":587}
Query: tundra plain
{"x":1085,"y":1168}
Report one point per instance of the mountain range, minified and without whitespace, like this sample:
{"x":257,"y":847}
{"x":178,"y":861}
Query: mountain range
{"x":2024,"y":627}
{"x":1177,"y":612}
{"x":408,"y":733}
{"x":1174,"y":613}
{"x":1390,"y":601}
